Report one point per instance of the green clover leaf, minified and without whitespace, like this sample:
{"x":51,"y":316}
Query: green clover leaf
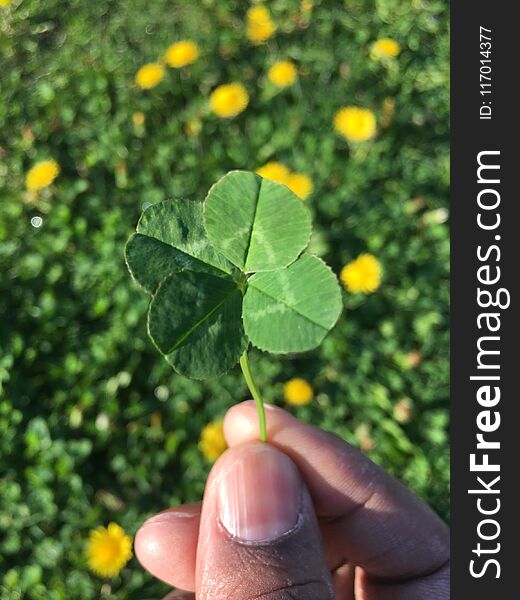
{"x":229,"y":272}
{"x":292,"y":309}
{"x":195,"y":322}
{"x":170,"y":237}
{"x":257,"y":224}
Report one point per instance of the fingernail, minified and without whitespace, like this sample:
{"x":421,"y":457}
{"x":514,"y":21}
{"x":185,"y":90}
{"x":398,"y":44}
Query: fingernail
{"x":260,"y":495}
{"x":171,"y":515}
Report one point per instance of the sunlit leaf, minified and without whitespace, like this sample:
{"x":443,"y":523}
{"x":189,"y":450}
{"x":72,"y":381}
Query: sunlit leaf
{"x":259,"y":225}
{"x":292,"y":309}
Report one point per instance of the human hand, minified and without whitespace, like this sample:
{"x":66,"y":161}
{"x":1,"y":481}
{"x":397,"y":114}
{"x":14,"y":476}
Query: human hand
{"x":304,"y":517}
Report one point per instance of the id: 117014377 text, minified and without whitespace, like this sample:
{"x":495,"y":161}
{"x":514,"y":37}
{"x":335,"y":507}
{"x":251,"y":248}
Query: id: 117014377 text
{"x":485,"y":111}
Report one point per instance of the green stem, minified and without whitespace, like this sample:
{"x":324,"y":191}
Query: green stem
{"x":244,"y":364}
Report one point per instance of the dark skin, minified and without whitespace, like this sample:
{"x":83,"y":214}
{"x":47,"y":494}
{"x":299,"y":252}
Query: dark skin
{"x":359,"y":535}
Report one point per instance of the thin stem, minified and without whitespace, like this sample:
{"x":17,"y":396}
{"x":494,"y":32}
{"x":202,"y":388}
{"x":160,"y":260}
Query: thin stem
{"x":244,"y":364}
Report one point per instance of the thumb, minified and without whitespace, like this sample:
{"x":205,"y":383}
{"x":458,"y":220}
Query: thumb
{"x":259,"y":537}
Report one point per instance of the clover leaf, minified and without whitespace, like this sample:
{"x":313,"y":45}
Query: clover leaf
{"x":292,"y":309}
{"x":231,"y":271}
{"x":195,"y":321}
{"x":170,"y":237}
{"x":257,"y":224}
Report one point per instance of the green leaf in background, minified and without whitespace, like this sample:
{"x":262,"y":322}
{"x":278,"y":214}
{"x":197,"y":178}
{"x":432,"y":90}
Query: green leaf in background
{"x":293,"y":309}
{"x":259,"y":225}
{"x":195,"y":321}
{"x":171,"y":237}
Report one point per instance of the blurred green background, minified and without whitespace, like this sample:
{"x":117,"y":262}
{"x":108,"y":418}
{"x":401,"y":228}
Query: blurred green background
{"x":94,"y":424}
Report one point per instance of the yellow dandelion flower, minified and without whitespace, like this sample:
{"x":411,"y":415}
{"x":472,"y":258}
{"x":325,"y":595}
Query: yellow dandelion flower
{"x":274,"y":171}
{"x":260,"y":26}
{"x":181,"y":54}
{"x":5,"y":3}
{"x":297,"y":392}
{"x":212,"y":442}
{"x":283,"y":73}
{"x":41,"y":175}
{"x":149,"y":76}
{"x":362,"y":274}
{"x":108,"y":550}
{"x":306,"y":5}
{"x":300,"y":184}
{"x":355,"y":124}
{"x":229,"y":100}
{"x":385,"y":48}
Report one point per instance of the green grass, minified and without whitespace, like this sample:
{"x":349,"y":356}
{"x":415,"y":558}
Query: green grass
{"x":94,"y":425}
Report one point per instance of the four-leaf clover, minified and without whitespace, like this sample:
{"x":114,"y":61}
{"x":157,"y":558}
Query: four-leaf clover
{"x":232,"y":271}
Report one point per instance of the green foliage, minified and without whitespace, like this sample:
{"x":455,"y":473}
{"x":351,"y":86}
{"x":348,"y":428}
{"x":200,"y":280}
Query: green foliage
{"x":259,"y":225}
{"x":195,"y":321}
{"x":195,"y":315}
{"x":95,"y":426}
{"x":171,"y":237}
{"x":292,"y":309}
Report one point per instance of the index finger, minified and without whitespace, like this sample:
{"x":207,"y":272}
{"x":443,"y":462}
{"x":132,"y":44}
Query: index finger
{"x":373,"y":520}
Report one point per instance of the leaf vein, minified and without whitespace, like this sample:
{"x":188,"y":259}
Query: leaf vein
{"x":293,"y":308}
{"x":257,"y":200}
{"x":200,"y":322}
